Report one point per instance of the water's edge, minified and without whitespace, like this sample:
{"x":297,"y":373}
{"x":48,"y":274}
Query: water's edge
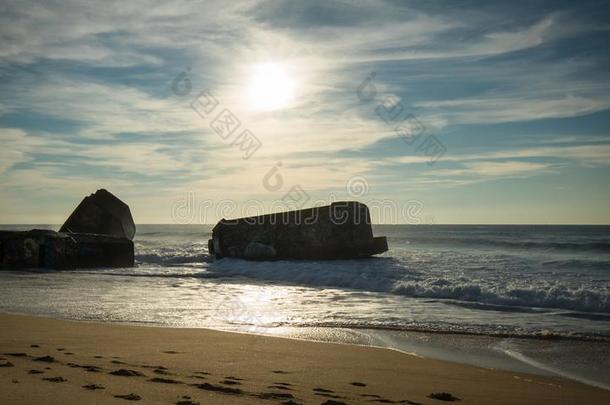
{"x":474,"y":350}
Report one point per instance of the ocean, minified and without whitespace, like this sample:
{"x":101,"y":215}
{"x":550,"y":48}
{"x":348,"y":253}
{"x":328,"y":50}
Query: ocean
{"x":523,"y":298}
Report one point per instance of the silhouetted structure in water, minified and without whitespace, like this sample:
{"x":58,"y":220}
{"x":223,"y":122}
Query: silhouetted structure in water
{"x":341,"y":230}
{"x":98,"y":233}
{"x":101,"y":213}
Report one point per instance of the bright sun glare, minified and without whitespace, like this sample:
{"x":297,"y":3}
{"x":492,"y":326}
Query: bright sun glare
{"x":270,"y":87}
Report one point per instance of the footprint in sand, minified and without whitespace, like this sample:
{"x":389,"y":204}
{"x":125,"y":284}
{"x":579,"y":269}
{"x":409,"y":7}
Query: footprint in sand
{"x":34,"y":346}
{"x":61,"y":349}
{"x":55,"y":379}
{"x":129,"y":397}
{"x":171,"y":352}
{"x":91,"y":369}
{"x":165,"y":380}
{"x":443,"y":396}
{"x":340,"y":397}
{"x":45,"y":359}
{"x":358,"y":384}
{"x":7,"y":364}
{"x":331,"y":402}
{"x":123,"y":372}
{"x":275,"y":395}
{"x":93,"y":387}
{"x":35,"y":372}
{"x":218,"y":388}
{"x":280,"y":387}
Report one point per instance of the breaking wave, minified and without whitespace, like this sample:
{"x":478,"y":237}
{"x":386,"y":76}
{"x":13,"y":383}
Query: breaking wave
{"x":543,"y":296}
{"x":554,"y":268}
{"x":163,"y":259}
{"x":387,"y":275}
{"x":168,"y":255}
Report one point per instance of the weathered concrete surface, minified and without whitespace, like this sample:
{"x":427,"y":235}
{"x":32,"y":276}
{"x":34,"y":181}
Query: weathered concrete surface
{"x":55,"y":250}
{"x":101,"y":213}
{"x":99,"y":233}
{"x":341,"y":230}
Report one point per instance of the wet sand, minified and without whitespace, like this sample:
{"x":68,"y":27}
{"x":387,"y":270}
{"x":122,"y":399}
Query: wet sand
{"x":46,"y":361}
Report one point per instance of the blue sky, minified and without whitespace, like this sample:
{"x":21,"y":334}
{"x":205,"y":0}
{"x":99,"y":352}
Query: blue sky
{"x":516,"y":96}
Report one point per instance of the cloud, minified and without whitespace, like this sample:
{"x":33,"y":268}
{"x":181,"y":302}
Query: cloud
{"x":111,"y":34}
{"x":505,"y":168}
{"x":490,"y":44}
{"x":511,"y":109}
{"x":15,"y":146}
{"x":108,"y":68}
{"x":585,"y":155}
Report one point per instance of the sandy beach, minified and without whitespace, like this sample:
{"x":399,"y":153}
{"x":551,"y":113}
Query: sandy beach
{"x":47,"y":361}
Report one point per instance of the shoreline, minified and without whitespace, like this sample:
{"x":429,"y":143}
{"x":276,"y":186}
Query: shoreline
{"x":504,"y":360}
{"x":243,"y":368}
{"x":543,"y":337}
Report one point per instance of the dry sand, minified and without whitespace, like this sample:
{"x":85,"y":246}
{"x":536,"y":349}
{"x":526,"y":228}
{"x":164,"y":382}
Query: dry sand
{"x":46,"y":361}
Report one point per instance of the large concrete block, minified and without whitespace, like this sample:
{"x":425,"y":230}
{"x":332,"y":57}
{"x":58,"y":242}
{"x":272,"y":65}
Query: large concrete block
{"x":101,"y":213}
{"x":97,"y":234}
{"x":54,"y":250}
{"x":341,"y":230}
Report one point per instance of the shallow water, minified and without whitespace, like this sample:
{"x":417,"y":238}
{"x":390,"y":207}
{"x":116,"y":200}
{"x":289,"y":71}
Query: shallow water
{"x":509,"y":288}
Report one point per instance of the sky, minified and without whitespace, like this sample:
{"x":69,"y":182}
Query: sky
{"x":436,"y":112}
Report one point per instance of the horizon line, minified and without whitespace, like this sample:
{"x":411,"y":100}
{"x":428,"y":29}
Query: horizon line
{"x":406,"y":224}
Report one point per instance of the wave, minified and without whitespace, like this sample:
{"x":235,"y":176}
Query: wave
{"x":494,"y":242}
{"x":491,"y":281}
{"x":148,"y":253}
{"x":156,"y":258}
{"x":387,"y":275}
{"x":540,"y":296}
{"x":451,"y":329}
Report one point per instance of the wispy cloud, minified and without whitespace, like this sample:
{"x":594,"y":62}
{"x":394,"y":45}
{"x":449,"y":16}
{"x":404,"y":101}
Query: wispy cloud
{"x":86,"y":93}
{"x":494,"y":169}
{"x":585,"y":155}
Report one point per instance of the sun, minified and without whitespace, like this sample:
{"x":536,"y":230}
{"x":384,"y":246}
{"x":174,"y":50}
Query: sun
{"x":270,"y":87}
